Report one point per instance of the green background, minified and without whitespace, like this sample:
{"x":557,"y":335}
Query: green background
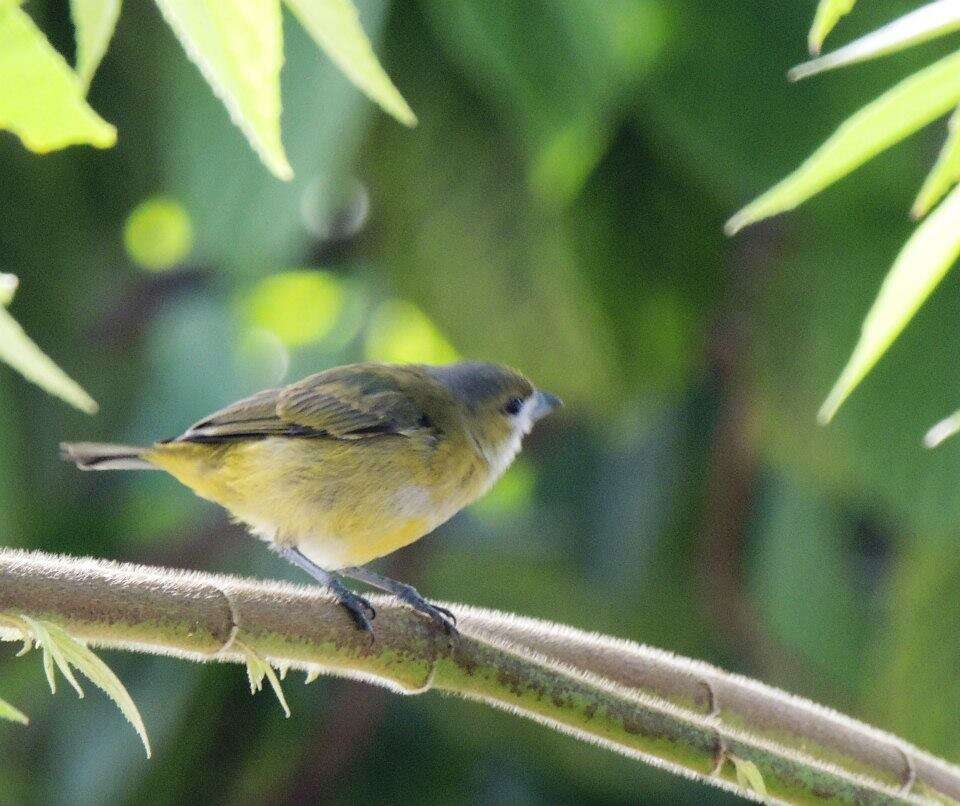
{"x":558,"y":208}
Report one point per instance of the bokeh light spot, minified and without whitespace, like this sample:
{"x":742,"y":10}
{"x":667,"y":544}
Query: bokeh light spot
{"x":158,"y":233}
{"x":401,"y":333}
{"x":299,"y":307}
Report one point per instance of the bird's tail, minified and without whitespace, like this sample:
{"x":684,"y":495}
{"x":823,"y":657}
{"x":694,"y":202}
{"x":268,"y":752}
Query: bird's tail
{"x":98,"y":456}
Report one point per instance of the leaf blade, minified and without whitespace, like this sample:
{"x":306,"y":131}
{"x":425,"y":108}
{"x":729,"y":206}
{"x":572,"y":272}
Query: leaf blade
{"x":94,"y":22}
{"x":335,"y":26}
{"x":102,"y":676}
{"x":897,"y":113}
{"x":257,"y":669}
{"x":19,"y":351}
{"x":239,"y":49}
{"x":927,"y":22}
{"x":42,"y":102}
{"x":12,"y":713}
{"x":945,"y":172}
{"x":827,"y":15}
{"x":749,"y":776}
{"x":922,"y":263}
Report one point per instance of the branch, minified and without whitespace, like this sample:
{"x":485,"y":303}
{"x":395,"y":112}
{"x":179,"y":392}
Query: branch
{"x":685,"y":716}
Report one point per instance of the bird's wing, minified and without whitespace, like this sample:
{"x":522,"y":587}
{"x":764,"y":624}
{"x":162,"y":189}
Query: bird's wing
{"x":253,"y":417}
{"x":354,"y":402}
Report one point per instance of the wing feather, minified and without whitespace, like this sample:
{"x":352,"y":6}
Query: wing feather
{"x":352,"y":402}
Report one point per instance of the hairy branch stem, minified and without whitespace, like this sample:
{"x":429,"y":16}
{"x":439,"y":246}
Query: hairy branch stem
{"x":683,"y":715}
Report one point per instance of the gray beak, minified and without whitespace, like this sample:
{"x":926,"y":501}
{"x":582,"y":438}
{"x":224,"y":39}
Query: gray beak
{"x":544,"y":403}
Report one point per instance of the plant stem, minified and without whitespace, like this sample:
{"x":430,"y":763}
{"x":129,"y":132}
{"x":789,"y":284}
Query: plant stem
{"x":684,"y":716}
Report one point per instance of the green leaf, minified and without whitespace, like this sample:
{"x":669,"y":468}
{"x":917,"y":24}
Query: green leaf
{"x":920,"y":266}
{"x":7,"y":711}
{"x":8,"y":287}
{"x":17,"y":349}
{"x":42,"y":101}
{"x":943,"y":430}
{"x":944,"y":174}
{"x":52,"y":655}
{"x":94,"y":21}
{"x":748,"y":776}
{"x":239,"y":49}
{"x":929,"y":21}
{"x":257,"y":669}
{"x":66,"y":651}
{"x":826,"y":17}
{"x":335,"y":26}
{"x":910,"y":105}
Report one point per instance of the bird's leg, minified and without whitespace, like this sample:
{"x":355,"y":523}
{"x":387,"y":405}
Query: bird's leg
{"x":442,"y":617}
{"x":360,"y":610}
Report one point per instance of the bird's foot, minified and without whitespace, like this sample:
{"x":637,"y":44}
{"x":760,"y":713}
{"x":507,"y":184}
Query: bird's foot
{"x":440,"y":616}
{"x":360,"y":610}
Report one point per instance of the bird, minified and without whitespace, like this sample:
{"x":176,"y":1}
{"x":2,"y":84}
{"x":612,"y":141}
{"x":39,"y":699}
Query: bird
{"x":349,"y":464}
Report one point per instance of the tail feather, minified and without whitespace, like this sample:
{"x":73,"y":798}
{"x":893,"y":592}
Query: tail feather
{"x":97,"y":456}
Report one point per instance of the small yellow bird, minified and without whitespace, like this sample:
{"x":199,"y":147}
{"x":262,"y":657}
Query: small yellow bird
{"x":350,"y":464}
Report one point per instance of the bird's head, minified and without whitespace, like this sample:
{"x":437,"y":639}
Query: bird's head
{"x":497,"y":406}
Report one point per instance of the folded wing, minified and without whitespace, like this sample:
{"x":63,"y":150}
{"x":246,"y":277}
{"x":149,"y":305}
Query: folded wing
{"x":352,"y":402}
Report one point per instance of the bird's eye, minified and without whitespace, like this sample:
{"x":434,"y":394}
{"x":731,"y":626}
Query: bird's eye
{"x":513,"y":406}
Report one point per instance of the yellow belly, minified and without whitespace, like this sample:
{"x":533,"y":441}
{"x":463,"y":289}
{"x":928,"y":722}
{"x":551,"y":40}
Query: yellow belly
{"x":341,"y":503}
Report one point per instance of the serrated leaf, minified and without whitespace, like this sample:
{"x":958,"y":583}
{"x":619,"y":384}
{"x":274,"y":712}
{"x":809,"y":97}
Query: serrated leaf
{"x":335,"y":26}
{"x":749,"y":776}
{"x":94,"y":22}
{"x":7,"y":711}
{"x":238,"y":47}
{"x":52,"y":655}
{"x":73,"y":653}
{"x":920,"y":266}
{"x":927,"y":22}
{"x":827,"y":15}
{"x":257,"y":669}
{"x":42,"y":100}
{"x":899,"y":112}
{"x":20,"y":352}
{"x":945,"y":172}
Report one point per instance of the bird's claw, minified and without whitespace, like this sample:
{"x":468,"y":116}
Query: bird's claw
{"x":440,"y":616}
{"x":360,"y":610}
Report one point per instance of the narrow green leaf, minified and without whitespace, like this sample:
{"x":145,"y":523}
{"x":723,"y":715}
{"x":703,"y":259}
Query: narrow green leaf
{"x":52,"y":654}
{"x":929,"y":21}
{"x":48,"y":668}
{"x":98,"y":673}
{"x":8,"y":287}
{"x":7,"y":711}
{"x":94,"y":21}
{"x":945,"y":172}
{"x":943,"y":430}
{"x":335,"y":26}
{"x":238,"y":47}
{"x":920,"y":266}
{"x":826,"y":17}
{"x":749,"y":776}
{"x":23,"y":355}
{"x":899,"y":112}
{"x":42,"y":100}
{"x":257,"y":669}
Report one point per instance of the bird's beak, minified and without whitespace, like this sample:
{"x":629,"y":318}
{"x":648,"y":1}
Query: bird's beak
{"x":544,"y":403}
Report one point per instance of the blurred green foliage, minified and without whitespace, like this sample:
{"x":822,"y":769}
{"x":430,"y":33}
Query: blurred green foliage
{"x":559,"y":208}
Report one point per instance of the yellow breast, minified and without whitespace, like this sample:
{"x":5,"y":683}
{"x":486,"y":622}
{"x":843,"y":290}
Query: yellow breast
{"x":341,"y":502}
